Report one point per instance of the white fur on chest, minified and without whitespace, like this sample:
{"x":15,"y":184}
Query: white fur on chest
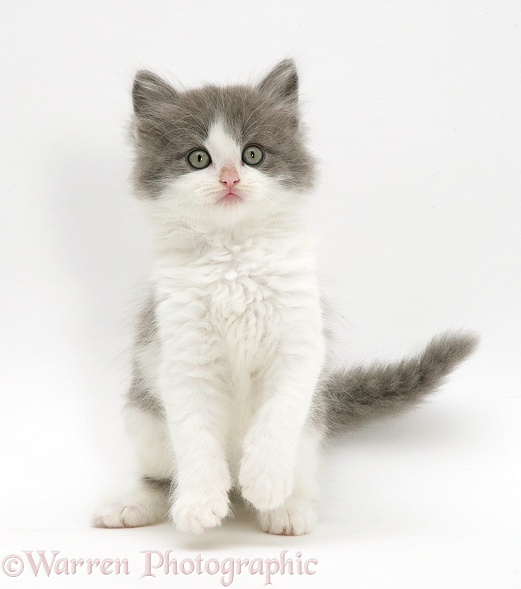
{"x":243,"y":292}
{"x":233,"y":312}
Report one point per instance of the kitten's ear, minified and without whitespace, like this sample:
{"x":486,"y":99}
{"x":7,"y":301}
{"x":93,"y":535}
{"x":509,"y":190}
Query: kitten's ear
{"x":282,"y":81}
{"x":151,"y":92}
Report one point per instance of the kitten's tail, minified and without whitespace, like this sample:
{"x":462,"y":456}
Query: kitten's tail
{"x":356,"y":395}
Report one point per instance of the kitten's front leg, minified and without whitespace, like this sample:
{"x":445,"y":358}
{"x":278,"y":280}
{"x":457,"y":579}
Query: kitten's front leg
{"x":266,"y":474}
{"x":197,"y":412}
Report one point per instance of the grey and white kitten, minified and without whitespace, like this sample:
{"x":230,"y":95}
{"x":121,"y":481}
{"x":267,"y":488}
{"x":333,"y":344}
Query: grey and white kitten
{"x":233,"y":386}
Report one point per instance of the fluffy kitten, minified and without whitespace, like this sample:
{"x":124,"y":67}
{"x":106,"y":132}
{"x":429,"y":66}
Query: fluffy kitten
{"x":232,"y":386}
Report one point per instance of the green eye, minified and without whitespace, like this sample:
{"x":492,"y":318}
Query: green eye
{"x":252,"y":155}
{"x":199,"y":159}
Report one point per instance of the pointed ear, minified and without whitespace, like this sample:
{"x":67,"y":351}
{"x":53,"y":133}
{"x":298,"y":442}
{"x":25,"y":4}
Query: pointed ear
{"x":151,"y":92}
{"x":281,"y":82}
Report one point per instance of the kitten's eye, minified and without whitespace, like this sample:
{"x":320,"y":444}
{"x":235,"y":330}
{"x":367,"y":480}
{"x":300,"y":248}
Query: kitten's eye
{"x":199,"y":159}
{"x":253,"y":155}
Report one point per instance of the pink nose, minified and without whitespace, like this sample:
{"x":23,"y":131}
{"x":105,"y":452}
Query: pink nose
{"x":229,"y":177}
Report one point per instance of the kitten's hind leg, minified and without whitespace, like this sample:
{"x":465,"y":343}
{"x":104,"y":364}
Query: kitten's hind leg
{"x":149,"y":503}
{"x":297,"y":516}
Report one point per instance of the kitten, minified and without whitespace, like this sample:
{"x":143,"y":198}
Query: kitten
{"x":232,"y":385}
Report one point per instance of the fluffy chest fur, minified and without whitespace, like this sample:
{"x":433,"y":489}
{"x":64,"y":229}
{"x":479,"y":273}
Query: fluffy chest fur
{"x":241,"y":292}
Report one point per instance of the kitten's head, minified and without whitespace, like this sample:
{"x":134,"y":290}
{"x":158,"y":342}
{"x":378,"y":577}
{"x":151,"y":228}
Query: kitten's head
{"x":221,"y":156}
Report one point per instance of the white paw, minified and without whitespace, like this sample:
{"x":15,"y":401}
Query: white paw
{"x":295,"y":518}
{"x":141,"y":507}
{"x":196,"y":514}
{"x":129,"y":515}
{"x":264,"y":484}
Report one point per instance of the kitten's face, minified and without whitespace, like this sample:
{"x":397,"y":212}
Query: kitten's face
{"x":221,"y":156}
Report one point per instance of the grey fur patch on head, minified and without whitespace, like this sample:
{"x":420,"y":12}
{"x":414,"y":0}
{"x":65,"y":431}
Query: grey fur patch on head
{"x":281,"y":82}
{"x":169,"y":123}
{"x":149,"y":92}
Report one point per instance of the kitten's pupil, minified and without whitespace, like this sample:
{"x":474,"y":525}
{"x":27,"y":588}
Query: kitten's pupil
{"x":252,"y":155}
{"x":199,"y":159}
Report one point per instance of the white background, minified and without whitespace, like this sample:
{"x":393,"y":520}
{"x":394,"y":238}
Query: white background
{"x":414,"y":111}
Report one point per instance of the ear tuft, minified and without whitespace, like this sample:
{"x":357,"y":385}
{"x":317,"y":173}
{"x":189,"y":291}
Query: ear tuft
{"x":281,"y":82}
{"x":150,"y":92}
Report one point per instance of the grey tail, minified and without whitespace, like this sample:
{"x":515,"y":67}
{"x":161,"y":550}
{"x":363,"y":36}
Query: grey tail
{"x":357,"y":395}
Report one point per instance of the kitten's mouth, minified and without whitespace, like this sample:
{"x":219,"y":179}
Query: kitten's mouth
{"x":229,"y":198}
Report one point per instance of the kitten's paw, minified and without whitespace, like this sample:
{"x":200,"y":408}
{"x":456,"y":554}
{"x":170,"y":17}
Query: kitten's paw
{"x":198,"y":514}
{"x":139,"y":509}
{"x":295,"y":518}
{"x":263,"y":485}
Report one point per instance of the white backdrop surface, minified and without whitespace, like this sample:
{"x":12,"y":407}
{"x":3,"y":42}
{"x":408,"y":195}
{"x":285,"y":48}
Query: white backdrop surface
{"x":414,"y":112}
